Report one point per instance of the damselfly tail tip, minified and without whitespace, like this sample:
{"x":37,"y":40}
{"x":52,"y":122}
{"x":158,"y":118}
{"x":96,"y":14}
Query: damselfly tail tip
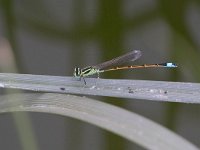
{"x":169,"y":64}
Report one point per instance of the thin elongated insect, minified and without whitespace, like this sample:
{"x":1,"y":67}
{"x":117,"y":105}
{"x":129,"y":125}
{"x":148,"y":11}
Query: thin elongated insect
{"x":114,"y":63}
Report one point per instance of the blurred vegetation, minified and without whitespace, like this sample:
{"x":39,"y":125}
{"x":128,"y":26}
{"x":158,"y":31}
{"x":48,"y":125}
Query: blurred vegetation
{"x":109,"y":29}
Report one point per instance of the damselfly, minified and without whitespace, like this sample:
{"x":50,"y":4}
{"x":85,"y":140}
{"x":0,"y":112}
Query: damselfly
{"x":113,"y":64}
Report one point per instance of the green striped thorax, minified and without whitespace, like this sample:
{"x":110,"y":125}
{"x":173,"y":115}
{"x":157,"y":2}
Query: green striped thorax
{"x":87,"y":71}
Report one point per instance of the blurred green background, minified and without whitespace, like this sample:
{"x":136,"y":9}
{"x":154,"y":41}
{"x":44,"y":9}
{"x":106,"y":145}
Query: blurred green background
{"x":52,"y":37}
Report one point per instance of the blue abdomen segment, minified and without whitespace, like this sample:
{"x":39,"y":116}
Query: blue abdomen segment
{"x":169,"y":64}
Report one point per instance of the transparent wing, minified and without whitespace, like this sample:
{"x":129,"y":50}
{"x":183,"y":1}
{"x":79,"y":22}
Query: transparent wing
{"x":130,"y":56}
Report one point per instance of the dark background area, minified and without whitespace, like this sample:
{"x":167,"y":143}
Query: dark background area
{"x":52,"y":37}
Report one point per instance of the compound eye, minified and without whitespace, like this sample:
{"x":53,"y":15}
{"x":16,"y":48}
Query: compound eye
{"x":77,"y":71}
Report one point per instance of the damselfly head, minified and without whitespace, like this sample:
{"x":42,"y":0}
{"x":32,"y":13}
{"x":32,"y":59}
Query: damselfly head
{"x":77,"y":72}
